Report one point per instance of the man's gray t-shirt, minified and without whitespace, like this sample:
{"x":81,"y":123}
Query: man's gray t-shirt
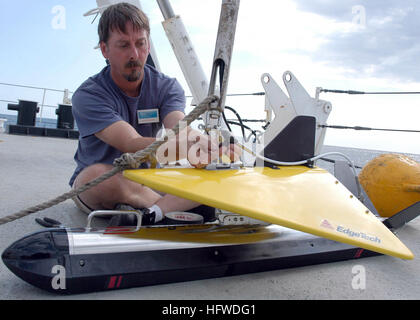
{"x":99,"y":102}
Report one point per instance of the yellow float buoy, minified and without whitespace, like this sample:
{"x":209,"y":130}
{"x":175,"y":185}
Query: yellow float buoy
{"x":392,"y":182}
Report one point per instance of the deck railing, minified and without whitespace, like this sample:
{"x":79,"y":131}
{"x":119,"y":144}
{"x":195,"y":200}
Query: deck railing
{"x":25,"y":92}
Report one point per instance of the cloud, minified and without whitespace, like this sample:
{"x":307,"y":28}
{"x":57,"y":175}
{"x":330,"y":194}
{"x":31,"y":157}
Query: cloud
{"x":380,"y":38}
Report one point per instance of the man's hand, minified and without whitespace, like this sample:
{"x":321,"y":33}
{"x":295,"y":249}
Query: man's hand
{"x":233,"y":152}
{"x":202,"y":149}
{"x":207,"y":149}
{"x":199,"y":149}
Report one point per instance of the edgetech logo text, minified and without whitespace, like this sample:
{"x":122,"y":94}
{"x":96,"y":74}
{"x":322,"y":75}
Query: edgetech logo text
{"x":361,"y":235}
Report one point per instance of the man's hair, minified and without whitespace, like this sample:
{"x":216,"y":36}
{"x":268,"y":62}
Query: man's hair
{"x":116,"y":16}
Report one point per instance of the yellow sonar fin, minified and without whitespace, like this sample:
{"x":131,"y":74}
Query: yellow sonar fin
{"x":205,"y":233}
{"x":296,"y":197}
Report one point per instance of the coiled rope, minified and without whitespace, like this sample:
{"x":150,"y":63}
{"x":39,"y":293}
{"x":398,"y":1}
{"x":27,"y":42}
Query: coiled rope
{"x":126,"y":161}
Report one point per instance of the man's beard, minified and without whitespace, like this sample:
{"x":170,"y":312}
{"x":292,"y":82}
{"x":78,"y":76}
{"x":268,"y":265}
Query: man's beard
{"x":134,"y":75}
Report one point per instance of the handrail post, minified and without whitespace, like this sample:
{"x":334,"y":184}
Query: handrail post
{"x":42,"y":105}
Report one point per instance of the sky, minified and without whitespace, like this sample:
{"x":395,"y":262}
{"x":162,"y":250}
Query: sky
{"x":365,"y":45}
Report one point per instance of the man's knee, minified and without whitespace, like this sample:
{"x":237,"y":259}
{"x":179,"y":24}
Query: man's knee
{"x":91,"y":172}
{"x":101,"y":196}
{"x":116,"y":189}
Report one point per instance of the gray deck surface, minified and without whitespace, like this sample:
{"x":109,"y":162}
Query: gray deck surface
{"x":36,"y":169}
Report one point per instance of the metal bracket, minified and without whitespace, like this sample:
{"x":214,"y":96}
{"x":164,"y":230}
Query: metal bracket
{"x":286,"y":109}
{"x":404,"y":216}
{"x":223,"y":166}
{"x":98,"y":213}
{"x":233,"y":219}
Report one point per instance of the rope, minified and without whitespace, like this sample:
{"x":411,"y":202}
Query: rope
{"x":126,"y":161}
{"x":63,"y":197}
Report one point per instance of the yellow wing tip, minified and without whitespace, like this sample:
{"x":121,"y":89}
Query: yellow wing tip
{"x":404,"y":253}
{"x":407,"y":256}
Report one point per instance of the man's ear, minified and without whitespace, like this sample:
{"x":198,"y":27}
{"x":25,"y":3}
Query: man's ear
{"x":103,"y":47}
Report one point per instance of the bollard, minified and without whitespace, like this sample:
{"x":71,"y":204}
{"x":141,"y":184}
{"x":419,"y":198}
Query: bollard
{"x":65,"y":118}
{"x":27,"y":111}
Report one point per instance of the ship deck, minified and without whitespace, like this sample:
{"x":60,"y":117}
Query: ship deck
{"x":36,"y":169}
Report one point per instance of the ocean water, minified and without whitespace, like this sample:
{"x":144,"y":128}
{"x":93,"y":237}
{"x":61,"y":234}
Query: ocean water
{"x":43,"y":123}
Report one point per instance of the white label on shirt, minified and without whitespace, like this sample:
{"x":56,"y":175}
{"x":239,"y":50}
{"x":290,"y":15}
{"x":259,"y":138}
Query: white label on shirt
{"x":148,"y":116}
